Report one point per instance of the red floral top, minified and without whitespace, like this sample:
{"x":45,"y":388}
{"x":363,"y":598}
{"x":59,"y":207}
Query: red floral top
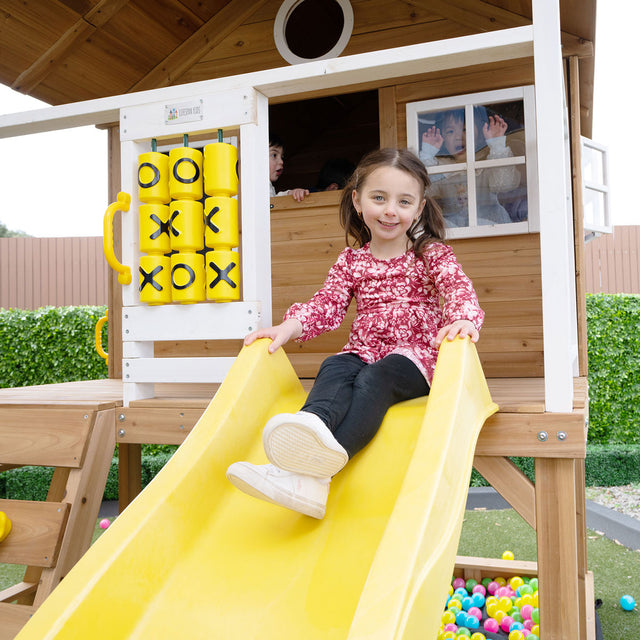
{"x":399,"y":307}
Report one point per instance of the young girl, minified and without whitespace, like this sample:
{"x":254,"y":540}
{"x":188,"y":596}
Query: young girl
{"x":411,"y":294}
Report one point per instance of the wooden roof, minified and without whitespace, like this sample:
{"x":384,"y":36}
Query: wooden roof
{"x":63,"y":51}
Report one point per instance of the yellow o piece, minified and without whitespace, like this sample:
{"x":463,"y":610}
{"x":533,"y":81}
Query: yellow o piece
{"x":220,"y":169}
{"x":153,"y":177}
{"x":153,"y":224}
{"x":187,"y":278}
{"x":223,"y":276}
{"x":187,"y":226}
{"x":155,"y":279}
{"x":5,"y":526}
{"x":185,"y":173}
{"x":221,"y":222}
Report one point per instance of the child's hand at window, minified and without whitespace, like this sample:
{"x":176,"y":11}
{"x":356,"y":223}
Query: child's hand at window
{"x":433,"y":137}
{"x":299,"y":194}
{"x":495,"y":128}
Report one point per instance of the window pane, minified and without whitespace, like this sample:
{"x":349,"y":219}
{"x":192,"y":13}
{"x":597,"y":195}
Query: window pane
{"x":592,"y":165}
{"x":594,"y":208}
{"x":499,"y":130}
{"x":442,"y":137}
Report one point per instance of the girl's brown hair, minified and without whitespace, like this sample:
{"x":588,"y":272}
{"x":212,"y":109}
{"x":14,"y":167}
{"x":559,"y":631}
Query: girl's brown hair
{"x":430,"y":225}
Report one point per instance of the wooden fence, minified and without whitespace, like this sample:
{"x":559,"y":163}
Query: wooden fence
{"x":612,"y":261}
{"x":38,"y":272}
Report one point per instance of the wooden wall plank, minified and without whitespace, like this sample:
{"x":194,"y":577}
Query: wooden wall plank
{"x":36,"y":533}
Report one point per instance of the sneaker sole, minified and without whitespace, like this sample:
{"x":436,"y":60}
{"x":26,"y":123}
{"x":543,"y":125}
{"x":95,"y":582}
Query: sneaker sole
{"x":298,"y":448}
{"x":269,"y":493}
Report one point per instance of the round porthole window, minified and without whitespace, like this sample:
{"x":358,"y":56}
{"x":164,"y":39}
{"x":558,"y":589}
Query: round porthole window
{"x":307,"y":30}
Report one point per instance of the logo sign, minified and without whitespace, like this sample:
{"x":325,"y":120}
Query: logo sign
{"x":183,"y":112}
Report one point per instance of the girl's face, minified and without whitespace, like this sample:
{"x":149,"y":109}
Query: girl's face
{"x":390,"y":201}
{"x":276,"y":162}
{"x":455,"y":136}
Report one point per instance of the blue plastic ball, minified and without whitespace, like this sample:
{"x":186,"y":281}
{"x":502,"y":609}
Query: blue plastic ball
{"x":627,"y":603}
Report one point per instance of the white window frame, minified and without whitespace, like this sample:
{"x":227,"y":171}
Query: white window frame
{"x":466,"y":101}
{"x":598,"y":187}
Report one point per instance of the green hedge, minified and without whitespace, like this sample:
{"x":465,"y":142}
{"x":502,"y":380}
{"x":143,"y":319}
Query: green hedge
{"x":49,"y":345}
{"x":613,"y":323}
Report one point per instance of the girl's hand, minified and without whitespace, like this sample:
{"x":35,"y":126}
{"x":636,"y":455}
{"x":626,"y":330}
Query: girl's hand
{"x":460,"y":328}
{"x":495,"y":128}
{"x":433,"y":137}
{"x":280,"y":334}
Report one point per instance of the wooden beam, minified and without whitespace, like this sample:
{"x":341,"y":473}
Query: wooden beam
{"x":12,"y":618}
{"x":17,"y":590}
{"x":207,"y":37}
{"x":484,"y":16}
{"x":66,"y":44}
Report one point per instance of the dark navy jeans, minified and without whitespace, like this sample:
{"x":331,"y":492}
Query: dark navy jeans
{"x":352,"y":397}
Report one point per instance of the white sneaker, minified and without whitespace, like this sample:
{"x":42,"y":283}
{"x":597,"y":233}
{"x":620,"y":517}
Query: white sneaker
{"x":294,"y":491}
{"x":302,"y":442}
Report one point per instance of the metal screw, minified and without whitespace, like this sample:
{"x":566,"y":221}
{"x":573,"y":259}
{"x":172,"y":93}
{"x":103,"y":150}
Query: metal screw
{"x":121,"y":433}
{"x":543,"y":436}
{"x":122,"y":417}
{"x":561,"y":435}
{"x":86,"y":415}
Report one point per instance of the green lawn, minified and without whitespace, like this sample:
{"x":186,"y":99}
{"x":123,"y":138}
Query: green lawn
{"x":489,"y":533}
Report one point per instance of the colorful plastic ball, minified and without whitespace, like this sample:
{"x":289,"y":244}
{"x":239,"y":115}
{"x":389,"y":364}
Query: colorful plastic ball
{"x":469,"y":584}
{"x":535,"y":615}
{"x":508,"y":555}
{"x":461,"y":618}
{"x":472,"y":622}
{"x":478,"y":636}
{"x":467,"y":603}
{"x":505,"y":604}
{"x":476,"y":612}
{"x":458,"y":583}
{"x":505,"y":623}
{"x":492,"y":587}
{"x":454,"y":604}
{"x":532,"y":636}
{"x":533,"y":583}
{"x":516,"y":635}
{"x":516,"y":582}
{"x":517,"y":616}
{"x":525,"y":611}
{"x":491,"y":625}
{"x":448,"y":617}
{"x":501,"y":581}
{"x":479,"y":588}
{"x":627,"y":603}
{"x":527,"y":598}
{"x":478,"y":600}
{"x":524,"y":589}
{"x":104,"y":523}
{"x":528,"y":624}
{"x":450,"y":627}
{"x":448,"y":635}
{"x":463,"y":632}
{"x":486,"y":581}
{"x":499,"y":615}
{"x":516,"y":626}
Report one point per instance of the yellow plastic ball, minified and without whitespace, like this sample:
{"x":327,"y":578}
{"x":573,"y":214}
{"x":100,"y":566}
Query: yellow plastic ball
{"x":492,"y":609}
{"x":448,"y":635}
{"x":527,"y":598}
{"x":448,"y":617}
{"x":536,"y":629}
{"x":505,"y":604}
{"x":508,"y":555}
{"x":478,"y":636}
{"x":516,"y":582}
{"x":516,"y":635}
{"x":499,"y":615}
{"x":501,"y":581}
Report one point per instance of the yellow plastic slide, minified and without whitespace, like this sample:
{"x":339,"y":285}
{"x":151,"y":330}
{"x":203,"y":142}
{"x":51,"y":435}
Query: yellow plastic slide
{"x":193,"y":557}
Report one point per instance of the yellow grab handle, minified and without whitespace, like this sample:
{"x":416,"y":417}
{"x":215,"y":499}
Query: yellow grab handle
{"x":121,"y":204}
{"x":5,"y":526}
{"x":101,"y":352}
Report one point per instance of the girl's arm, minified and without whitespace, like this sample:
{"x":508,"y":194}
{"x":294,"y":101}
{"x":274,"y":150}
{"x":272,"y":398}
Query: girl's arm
{"x":461,"y":312}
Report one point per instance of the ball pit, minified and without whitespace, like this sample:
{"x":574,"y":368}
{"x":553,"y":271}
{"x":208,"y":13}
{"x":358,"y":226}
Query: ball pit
{"x":500,"y":607}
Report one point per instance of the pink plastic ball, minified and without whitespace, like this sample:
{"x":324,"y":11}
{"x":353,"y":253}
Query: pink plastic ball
{"x":475,"y":612}
{"x":492,"y":587}
{"x":104,"y":523}
{"x":458,"y":583}
{"x":491,"y":625}
{"x":451,"y":627}
{"x":505,"y":623}
{"x":525,"y":611}
{"x":479,"y":589}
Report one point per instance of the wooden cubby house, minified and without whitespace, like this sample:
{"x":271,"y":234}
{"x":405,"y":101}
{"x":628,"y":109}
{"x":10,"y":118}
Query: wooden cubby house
{"x":334,"y":79}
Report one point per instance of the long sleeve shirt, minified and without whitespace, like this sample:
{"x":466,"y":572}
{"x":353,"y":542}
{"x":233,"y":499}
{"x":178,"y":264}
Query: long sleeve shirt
{"x":401,"y":303}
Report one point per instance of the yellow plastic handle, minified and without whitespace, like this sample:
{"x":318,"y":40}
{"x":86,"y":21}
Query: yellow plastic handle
{"x":121,"y":204}
{"x":101,"y":352}
{"x":5,"y":526}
